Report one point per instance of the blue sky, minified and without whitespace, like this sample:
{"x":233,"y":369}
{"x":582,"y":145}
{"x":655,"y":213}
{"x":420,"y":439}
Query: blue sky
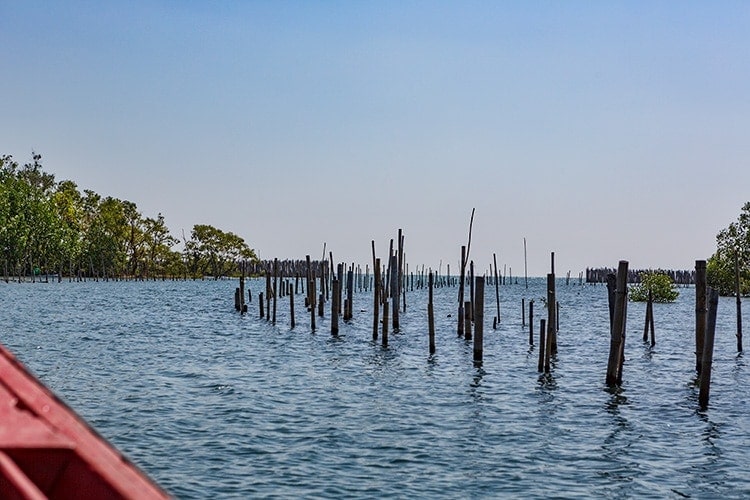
{"x":598,"y":130}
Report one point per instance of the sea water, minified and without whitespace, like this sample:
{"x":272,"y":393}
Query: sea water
{"x":214,"y":404}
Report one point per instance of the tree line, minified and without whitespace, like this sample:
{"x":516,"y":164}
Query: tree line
{"x":50,"y":227}
{"x":730,"y":264}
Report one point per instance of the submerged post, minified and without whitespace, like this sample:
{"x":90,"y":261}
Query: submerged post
{"x":708,"y":349}
{"x":478,"y":320}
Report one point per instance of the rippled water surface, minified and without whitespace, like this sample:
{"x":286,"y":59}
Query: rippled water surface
{"x":214,"y":404}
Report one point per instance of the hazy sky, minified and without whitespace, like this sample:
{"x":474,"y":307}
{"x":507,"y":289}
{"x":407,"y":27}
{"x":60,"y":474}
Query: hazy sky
{"x":598,"y":130}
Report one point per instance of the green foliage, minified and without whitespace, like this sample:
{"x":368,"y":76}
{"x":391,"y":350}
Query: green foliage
{"x":659,"y":284}
{"x":732,"y":245}
{"x":52,"y":227}
{"x":214,"y":252}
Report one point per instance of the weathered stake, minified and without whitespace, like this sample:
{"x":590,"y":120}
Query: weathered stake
{"x":708,"y":349}
{"x":542,"y":343}
{"x":478,"y":320}
{"x":739,"y":300}
{"x":618,"y":324}
{"x":700,"y":312}
{"x":334,"y":307}
{"x":376,"y":297}
{"x":431,"y":317}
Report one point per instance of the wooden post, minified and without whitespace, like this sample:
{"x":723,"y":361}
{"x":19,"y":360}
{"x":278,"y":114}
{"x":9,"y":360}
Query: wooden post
{"x":275,"y":286}
{"x":334,"y":308}
{"x":400,"y":280}
{"x":350,"y":294}
{"x":611,"y":287}
{"x":291,"y":308}
{"x":431,"y":317}
{"x":497,"y":289}
{"x":618,"y":324}
{"x":478,"y":320}
{"x":467,"y":320}
{"x":549,"y":349}
{"x":311,"y":292}
{"x":700,"y":312}
{"x":395,"y":290}
{"x":651,"y":325}
{"x":649,"y":319}
{"x":269,"y":292}
{"x":542,"y":344}
{"x":552,"y":311}
{"x":739,"y":300}
{"x":385,"y":323}
{"x":461,"y":293}
{"x":523,"y":312}
{"x":241,"y":291}
{"x":708,"y":349}
{"x":376,"y":299}
{"x":260,"y":303}
{"x":531,"y":317}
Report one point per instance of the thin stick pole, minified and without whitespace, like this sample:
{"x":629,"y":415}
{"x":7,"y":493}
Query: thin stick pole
{"x":497,"y":289}
{"x":431,"y":317}
{"x":739,"y":300}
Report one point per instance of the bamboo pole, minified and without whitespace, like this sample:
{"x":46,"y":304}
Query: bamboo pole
{"x":478,"y":320}
{"x":311,"y":292}
{"x":350,"y":294}
{"x":708,"y":349}
{"x":700,"y":312}
{"x":291,"y":308}
{"x":618,"y":324}
{"x":552,"y":309}
{"x":497,"y":289}
{"x":461,"y":293}
{"x":395,"y":291}
{"x":385,"y":324}
{"x":531,"y":317}
{"x":275,"y":286}
{"x":334,"y":307}
{"x":739,"y":300}
{"x":431,"y":316}
{"x":542,"y":344}
{"x":376,"y":296}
